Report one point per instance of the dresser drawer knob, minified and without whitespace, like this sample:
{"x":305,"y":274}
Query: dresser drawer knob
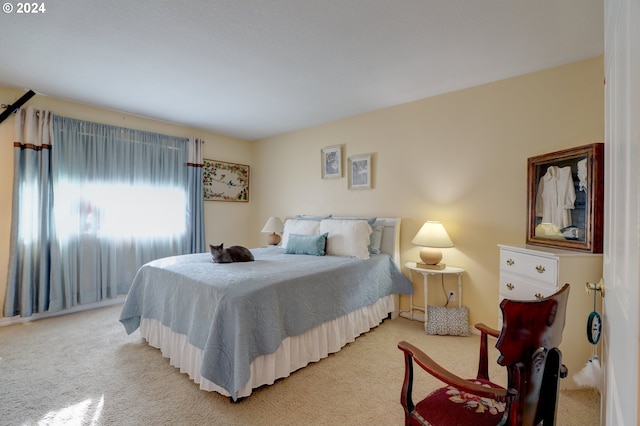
{"x":510,"y":286}
{"x":510,"y":262}
{"x":540,"y":269}
{"x":539,"y":296}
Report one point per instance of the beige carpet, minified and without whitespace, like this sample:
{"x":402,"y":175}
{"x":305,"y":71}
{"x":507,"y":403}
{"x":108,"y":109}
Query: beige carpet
{"x":84,"y":369}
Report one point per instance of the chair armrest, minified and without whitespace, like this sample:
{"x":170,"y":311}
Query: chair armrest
{"x":444,"y":375}
{"x":483,"y":362}
{"x":485,"y":329}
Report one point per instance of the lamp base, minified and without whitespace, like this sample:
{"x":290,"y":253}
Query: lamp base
{"x":437,"y":266}
{"x":430,"y":255}
{"x":273,"y":239}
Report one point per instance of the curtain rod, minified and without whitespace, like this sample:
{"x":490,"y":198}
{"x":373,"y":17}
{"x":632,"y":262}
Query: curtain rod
{"x":17,"y":104}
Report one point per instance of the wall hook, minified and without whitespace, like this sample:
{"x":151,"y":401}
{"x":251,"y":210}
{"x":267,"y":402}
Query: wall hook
{"x":599,"y":286}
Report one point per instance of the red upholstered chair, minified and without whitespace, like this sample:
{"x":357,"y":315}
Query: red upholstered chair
{"x":528,"y":345}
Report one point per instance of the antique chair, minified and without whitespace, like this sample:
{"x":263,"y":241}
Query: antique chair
{"x":528,"y":344}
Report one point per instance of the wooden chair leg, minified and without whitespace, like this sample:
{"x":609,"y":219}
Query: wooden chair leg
{"x":483,"y":363}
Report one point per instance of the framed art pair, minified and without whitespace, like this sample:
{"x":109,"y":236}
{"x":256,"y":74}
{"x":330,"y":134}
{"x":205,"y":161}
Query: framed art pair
{"x":358,"y":167}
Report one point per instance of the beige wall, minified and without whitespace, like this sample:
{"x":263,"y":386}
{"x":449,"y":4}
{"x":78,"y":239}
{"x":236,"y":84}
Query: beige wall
{"x":224,"y":221}
{"x":460,"y":158}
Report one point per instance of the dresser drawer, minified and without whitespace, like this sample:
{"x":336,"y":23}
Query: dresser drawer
{"x":516,"y":287}
{"x":536,"y":268}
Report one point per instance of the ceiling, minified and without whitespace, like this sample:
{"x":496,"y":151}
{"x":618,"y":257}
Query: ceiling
{"x":257,"y":68}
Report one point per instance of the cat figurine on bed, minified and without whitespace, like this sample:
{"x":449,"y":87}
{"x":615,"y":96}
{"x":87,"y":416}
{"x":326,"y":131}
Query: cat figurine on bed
{"x":219,"y":254}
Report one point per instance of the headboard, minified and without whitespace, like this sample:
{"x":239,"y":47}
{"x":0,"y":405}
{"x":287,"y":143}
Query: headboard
{"x":391,"y":238}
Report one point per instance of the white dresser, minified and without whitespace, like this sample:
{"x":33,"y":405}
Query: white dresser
{"x":528,"y":273}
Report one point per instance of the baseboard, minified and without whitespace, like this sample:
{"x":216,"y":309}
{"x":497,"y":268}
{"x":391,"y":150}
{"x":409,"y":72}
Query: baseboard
{"x":78,"y":308}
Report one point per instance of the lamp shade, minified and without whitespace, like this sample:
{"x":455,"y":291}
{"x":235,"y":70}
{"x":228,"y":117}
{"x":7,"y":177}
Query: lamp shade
{"x":432,"y":236}
{"x":273,"y":227}
{"x":274,"y":224}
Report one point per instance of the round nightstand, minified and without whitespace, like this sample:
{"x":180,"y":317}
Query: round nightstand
{"x":448,"y":270}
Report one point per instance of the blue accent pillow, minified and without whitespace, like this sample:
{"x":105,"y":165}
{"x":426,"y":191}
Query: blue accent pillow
{"x":307,"y":244}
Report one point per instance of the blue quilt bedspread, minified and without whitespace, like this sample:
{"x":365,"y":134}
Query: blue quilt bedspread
{"x":236,"y":312}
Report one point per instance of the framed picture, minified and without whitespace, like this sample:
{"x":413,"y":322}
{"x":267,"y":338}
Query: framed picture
{"x":565,"y":199}
{"x":225,"y":181}
{"x":332,"y":162}
{"x":360,"y":171}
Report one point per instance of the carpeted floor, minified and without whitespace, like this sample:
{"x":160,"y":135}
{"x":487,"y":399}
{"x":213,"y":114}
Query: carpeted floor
{"x":83,"y":369}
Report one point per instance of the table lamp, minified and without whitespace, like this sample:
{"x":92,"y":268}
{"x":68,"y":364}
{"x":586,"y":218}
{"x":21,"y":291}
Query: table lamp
{"x":432,"y":237}
{"x":273,"y":226}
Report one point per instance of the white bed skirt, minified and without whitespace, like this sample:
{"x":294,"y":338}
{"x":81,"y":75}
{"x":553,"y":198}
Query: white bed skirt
{"x":293,"y":354}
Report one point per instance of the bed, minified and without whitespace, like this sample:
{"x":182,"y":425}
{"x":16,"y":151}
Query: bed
{"x":238,"y":326}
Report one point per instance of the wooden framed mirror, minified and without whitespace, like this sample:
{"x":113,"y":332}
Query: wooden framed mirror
{"x":565,"y":202}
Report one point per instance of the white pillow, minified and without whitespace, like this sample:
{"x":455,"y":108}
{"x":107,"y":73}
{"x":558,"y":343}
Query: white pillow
{"x":300,"y":227}
{"x":347,"y":237}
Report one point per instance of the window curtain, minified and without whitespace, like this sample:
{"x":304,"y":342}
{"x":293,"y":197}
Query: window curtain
{"x":109,"y":200}
{"x":196,"y":196}
{"x":30,"y":254}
